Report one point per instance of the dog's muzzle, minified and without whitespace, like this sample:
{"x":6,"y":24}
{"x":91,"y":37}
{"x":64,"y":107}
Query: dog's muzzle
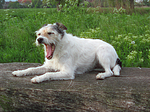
{"x":50,"y":48}
{"x":40,"y":40}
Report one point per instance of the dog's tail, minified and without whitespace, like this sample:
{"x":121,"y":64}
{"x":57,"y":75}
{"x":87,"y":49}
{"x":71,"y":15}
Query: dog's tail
{"x":117,"y":67}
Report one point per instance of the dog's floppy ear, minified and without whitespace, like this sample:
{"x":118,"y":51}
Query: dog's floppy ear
{"x":61,"y":26}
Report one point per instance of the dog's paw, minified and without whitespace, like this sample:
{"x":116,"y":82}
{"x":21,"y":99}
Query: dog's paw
{"x":17,"y":73}
{"x":36,"y":80}
{"x":100,"y":76}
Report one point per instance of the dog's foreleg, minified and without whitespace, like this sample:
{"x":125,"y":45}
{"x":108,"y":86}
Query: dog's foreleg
{"x":30,"y":71}
{"x":53,"y":76}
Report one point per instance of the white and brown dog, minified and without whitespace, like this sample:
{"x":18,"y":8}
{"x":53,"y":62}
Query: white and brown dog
{"x":67,"y":55}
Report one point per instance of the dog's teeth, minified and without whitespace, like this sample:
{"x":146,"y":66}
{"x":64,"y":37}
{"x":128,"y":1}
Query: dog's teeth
{"x":52,"y":47}
{"x":50,"y":57}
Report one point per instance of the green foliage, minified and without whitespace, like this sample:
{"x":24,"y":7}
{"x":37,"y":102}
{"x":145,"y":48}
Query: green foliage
{"x":119,"y":11}
{"x":56,"y":3}
{"x":129,"y":34}
{"x":1,"y":3}
{"x":70,"y":6}
{"x":36,"y":3}
{"x":64,"y":4}
{"x":146,"y":2}
{"x":15,"y":5}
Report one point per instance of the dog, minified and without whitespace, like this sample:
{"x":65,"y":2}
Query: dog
{"x":67,"y":55}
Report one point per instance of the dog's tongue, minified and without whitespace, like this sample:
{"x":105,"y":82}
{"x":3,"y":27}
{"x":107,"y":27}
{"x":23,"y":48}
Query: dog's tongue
{"x":48,"y":50}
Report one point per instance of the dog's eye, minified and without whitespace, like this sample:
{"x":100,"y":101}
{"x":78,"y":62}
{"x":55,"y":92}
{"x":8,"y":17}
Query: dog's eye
{"x":39,"y":34}
{"x":49,"y":33}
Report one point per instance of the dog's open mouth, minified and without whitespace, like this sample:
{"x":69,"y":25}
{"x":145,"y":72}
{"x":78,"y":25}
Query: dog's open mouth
{"x":49,"y":50}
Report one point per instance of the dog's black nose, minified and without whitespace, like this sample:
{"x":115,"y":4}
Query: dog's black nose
{"x":40,"y":40}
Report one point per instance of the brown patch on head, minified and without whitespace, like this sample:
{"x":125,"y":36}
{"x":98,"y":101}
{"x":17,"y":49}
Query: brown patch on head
{"x":45,"y":31}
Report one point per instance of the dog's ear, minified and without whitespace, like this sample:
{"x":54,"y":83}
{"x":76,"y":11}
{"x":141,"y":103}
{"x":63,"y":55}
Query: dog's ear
{"x":36,"y":32}
{"x":61,"y":26}
{"x":44,"y":25}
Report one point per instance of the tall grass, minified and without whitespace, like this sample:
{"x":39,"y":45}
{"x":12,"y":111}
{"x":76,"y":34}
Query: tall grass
{"x":129,"y":34}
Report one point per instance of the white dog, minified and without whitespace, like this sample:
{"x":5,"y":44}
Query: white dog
{"x":67,"y":55}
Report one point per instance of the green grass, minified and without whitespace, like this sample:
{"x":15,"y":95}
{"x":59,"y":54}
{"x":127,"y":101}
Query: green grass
{"x":129,"y":34}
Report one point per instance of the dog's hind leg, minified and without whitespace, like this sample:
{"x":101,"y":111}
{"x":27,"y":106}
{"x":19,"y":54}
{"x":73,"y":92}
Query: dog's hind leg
{"x":105,"y":59}
{"x":116,"y":70}
{"x":106,"y":74}
{"x":117,"y":67}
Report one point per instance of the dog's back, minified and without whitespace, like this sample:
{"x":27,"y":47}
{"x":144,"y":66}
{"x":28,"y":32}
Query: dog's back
{"x":83,"y":53}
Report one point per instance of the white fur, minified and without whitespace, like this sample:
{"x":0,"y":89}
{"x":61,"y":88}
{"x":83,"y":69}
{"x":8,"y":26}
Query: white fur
{"x":72,"y":56}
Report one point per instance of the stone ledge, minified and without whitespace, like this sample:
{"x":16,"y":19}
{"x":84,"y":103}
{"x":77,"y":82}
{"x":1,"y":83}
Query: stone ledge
{"x":129,"y":92}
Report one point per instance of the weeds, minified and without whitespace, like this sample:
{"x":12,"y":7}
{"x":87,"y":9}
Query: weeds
{"x":129,"y":34}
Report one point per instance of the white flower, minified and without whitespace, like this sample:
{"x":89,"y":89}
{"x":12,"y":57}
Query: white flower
{"x":133,"y":42}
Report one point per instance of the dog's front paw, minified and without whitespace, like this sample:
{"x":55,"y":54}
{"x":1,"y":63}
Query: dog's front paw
{"x":36,"y":80}
{"x":17,"y":73}
{"x":104,"y":75}
{"x":100,"y":76}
